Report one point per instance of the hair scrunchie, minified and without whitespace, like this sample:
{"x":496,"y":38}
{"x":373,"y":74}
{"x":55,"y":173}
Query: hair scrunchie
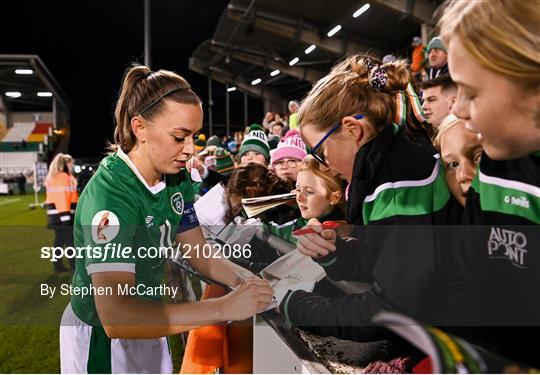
{"x":377,"y":76}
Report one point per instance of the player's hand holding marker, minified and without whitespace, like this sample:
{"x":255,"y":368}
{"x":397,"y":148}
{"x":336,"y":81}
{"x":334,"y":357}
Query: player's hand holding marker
{"x":315,"y":239}
{"x":251,"y":295}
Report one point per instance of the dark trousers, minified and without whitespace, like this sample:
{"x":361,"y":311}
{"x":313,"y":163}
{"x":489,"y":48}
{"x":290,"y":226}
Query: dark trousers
{"x":63,"y":237}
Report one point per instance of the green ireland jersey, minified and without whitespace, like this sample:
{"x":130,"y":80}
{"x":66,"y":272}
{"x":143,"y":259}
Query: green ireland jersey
{"x":122,"y":223}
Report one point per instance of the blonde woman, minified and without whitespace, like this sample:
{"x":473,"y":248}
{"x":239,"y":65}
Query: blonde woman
{"x":493,"y":56}
{"x":460,"y":155}
{"x":60,"y":203}
{"x":141,"y":198}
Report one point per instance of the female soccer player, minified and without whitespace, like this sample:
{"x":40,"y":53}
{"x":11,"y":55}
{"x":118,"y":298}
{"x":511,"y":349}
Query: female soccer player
{"x":141,"y":198}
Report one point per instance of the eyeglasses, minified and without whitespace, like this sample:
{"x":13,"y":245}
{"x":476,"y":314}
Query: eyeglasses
{"x":319,"y":156}
{"x":291,"y":163}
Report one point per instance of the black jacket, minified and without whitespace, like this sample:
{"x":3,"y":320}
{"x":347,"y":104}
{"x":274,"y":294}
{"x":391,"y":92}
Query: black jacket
{"x":433,"y":73}
{"x":497,"y":278}
{"x":397,"y":194}
{"x":495,"y":290}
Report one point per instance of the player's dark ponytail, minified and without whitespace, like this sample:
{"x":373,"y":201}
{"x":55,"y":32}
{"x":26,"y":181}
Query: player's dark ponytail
{"x":140,"y":95}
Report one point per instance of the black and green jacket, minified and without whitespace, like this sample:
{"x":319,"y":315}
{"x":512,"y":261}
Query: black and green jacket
{"x":497,"y":276}
{"x":397,"y":198}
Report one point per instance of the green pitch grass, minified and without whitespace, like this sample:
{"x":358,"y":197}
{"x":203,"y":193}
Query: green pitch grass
{"x":29,"y":322}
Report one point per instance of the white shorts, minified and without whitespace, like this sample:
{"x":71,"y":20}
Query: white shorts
{"x":85,"y":349}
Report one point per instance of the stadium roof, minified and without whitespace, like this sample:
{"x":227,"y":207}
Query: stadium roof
{"x":35,"y":79}
{"x":255,"y":38}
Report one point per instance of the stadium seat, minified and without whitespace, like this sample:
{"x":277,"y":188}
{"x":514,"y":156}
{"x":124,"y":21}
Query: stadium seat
{"x":36,"y":137}
{"x":19,"y":131}
{"x":42,"y":128}
{"x":17,"y":162}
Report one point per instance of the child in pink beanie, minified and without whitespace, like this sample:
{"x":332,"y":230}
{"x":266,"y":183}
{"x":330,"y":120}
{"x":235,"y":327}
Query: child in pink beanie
{"x":288,"y":155}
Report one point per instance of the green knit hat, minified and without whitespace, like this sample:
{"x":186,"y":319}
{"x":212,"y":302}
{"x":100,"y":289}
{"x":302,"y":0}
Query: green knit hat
{"x":255,"y":126}
{"x":224,"y":161}
{"x":436,"y":42}
{"x":256,"y":140}
{"x":213,"y":141}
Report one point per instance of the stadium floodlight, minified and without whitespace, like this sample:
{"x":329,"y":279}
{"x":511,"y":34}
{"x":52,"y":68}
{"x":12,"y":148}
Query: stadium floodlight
{"x":294,"y":61}
{"x":334,"y":31}
{"x":77,"y":169}
{"x":310,"y":49}
{"x":83,"y":167}
{"x":231,"y":89}
{"x":362,"y":9}
{"x":256,"y":81}
{"x":44,"y":94}
{"x":24,"y":71}
{"x":275,"y":73}
{"x":13,"y":94}
{"x":90,"y":168}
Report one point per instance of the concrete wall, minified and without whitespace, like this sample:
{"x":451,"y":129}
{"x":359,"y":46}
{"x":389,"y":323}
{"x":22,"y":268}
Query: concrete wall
{"x":29,"y":117}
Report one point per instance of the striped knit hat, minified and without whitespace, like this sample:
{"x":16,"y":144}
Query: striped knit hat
{"x":292,"y":146}
{"x":256,"y":140}
{"x":224,"y":161}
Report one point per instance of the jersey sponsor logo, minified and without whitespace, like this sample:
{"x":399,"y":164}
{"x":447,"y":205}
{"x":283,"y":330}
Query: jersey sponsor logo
{"x":149,"y":220}
{"x":517,"y":201}
{"x":105,"y":226}
{"x":504,"y":243}
{"x":190,"y":216}
{"x":177,"y":203}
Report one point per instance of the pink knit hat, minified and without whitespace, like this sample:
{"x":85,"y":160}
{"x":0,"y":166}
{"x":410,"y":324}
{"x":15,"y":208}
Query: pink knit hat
{"x":291,"y":146}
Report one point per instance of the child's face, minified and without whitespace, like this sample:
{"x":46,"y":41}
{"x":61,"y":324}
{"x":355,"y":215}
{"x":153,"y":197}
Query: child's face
{"x":504,"y":114}
{"x":287,"y":168}
{"x":312,"y":196}
{"x":460,"y":153}
{"x":276,"y":130}
{"x":253,"y":157}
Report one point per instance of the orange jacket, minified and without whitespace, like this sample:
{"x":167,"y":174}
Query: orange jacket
{"x":417,"y":58}
{"x":61,"y":198}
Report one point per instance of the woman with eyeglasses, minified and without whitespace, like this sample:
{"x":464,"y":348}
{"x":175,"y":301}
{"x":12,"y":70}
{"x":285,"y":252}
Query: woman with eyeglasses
{"x":141,"y":200}
{"x":364,"y":121}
